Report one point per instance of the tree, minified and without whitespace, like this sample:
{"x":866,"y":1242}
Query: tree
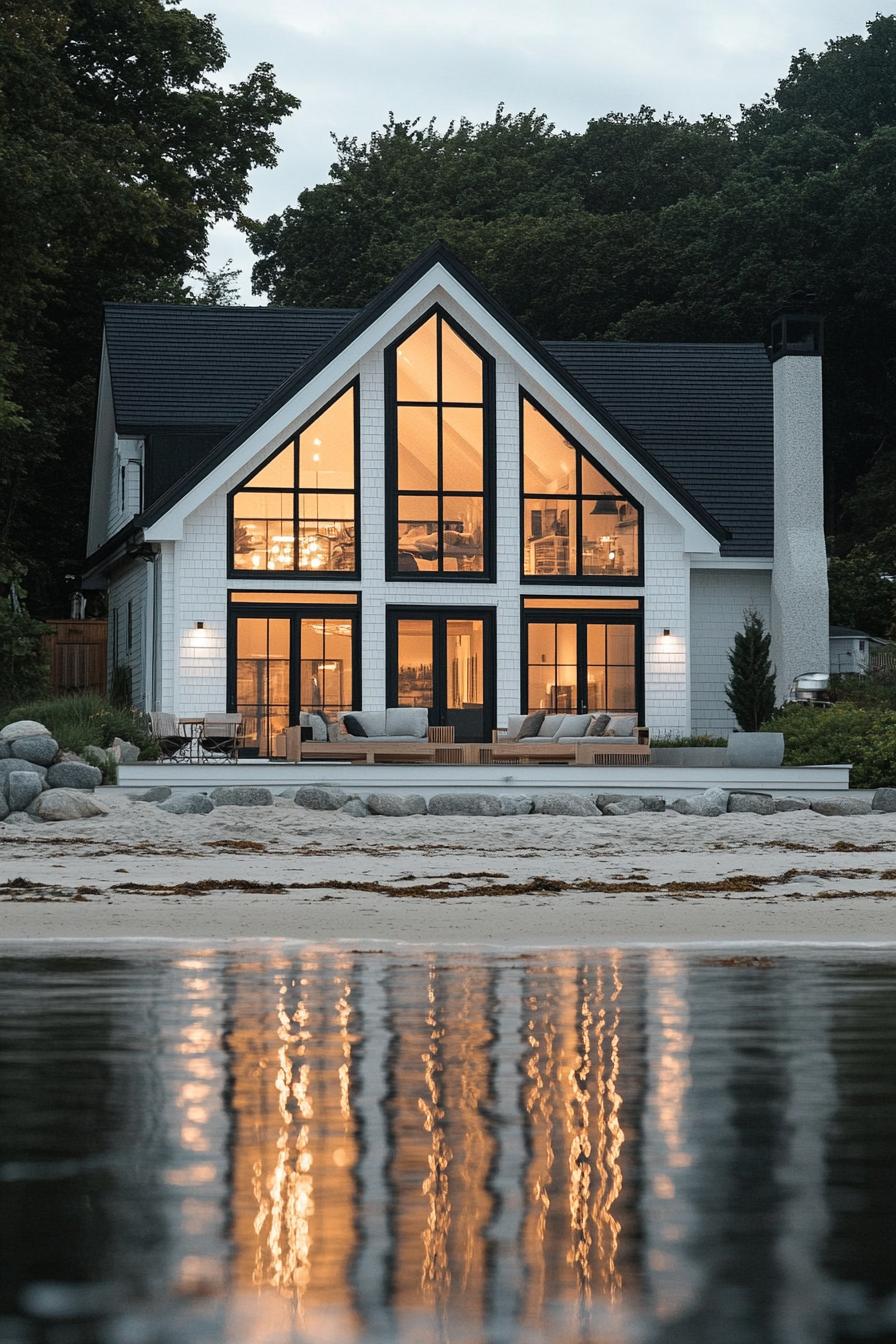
{"x":118,"y":151}
{"x":861,"y":597}
{"x":751,"y":687}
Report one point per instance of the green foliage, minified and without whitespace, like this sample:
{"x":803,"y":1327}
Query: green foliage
{"x":649,"y":228}
{"x":78,"y":721}
{"x":843,"y":734}
{"x":696,"y":740}
{"x":874,"y":690}
{"x":24,"y":666}
{"x":120,"y":686}
{"x":750,"y":693}
{"x":119,"y":147}
{"x":860,"y":596}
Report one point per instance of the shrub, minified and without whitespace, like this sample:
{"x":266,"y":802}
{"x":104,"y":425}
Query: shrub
{"x":694,"y":741}
{"x":77,"y":721}
{"x":24,"y":665}
{"x":751,"y":686}
{"x":864,"y":738}
{"x":874,"y":690}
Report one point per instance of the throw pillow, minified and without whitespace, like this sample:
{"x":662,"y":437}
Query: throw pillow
{"x":621,"y":725}
{"x":598,"y":725}
{"x":530,"y":725}
{"x":354,"y":727}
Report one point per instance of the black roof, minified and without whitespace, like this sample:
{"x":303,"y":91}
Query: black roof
{"x":698,"y":416}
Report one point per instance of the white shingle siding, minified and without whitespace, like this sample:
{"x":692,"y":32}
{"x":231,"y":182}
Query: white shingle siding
{"x":719,"y":599}
{"x":125,"y":493}
{"x":128,"y":586}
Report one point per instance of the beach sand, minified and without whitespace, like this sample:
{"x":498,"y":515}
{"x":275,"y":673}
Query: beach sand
{"x":285,"y":872}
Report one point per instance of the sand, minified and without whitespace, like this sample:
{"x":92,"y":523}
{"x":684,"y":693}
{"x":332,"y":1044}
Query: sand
{"x":519,"y":881}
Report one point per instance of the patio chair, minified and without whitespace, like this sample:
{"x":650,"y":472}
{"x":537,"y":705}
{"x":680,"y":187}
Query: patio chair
{"x":168,"y":736}
{"x":222,"y":735}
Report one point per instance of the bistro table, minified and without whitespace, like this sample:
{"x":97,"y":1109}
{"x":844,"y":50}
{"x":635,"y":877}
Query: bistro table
{"x":191,"y":752}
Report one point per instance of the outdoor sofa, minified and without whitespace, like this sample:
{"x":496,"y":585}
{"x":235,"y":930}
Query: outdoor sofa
{"x":574,"y":738}
{"x":403,"y":733}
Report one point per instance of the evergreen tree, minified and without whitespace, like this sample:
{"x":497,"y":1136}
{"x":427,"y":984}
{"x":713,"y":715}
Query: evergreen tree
{"x":751,"y":686}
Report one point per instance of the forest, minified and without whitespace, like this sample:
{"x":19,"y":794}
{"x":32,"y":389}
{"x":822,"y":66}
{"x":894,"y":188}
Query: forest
{"x":118,"y":152}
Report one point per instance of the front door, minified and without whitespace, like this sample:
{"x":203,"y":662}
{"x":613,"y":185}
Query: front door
{"x":581,"y":664}
{"x":443,"y":661}
{"x":283,"y":662}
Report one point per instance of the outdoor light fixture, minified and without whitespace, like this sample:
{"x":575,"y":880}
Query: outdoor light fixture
{"x":200,"y":625}
{"x":667,"y":633}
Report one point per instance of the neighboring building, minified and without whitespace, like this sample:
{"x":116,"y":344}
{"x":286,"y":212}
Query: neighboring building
{"x":421,"y":504}
{"x":851,"y":650}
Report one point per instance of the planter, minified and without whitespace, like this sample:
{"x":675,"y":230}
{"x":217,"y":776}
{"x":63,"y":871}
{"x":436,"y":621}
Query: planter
{"x":755,"y":751}
{"x":689,"y":758}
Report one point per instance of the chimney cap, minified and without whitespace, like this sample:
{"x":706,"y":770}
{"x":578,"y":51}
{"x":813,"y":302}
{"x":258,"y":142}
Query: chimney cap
{"x":797,"y":328}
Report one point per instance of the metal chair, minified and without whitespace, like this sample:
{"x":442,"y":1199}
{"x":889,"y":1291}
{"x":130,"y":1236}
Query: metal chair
{"x":222,"y":735}
{"x":168,"y":736}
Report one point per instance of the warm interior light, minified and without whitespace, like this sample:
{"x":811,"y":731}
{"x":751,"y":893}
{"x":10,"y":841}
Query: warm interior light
{"x":200,"y":625}
{"x":667,"y":634}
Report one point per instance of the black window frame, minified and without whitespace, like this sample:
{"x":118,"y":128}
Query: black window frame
{"x":440,"y":612}
{"x":390,"y":388}
{"x":576,"y":500}
{"x":596,"y":615}
{"x":303,"y":575}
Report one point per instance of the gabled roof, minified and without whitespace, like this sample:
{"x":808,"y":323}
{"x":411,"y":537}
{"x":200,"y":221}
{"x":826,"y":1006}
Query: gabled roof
{"x":697,"y":416}
{"x":844,"y":632}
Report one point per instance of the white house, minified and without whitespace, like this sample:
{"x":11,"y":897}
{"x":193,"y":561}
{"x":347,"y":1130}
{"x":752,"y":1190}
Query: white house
{"x":420,"y":504}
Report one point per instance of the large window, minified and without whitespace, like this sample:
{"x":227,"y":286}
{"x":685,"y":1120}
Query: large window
{"x":584,"y":660}
{"x":577,"y":523}
{"x":440,"y":435}
{"x":298,"y":513}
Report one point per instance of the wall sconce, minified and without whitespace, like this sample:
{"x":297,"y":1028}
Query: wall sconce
{"x":200,"y":625}
{"x":667,"y":633}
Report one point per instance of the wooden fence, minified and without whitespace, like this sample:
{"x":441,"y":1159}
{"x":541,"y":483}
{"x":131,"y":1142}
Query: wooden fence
{"x":77,"y":652}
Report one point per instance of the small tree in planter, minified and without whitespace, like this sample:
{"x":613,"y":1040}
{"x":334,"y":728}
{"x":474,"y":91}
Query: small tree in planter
{"x":751,"y":686}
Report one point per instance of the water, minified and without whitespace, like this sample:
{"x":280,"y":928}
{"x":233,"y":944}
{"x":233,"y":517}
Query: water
{"x":275,"y":1144}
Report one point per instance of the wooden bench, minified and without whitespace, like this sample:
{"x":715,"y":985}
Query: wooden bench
{"x":366,"y":751}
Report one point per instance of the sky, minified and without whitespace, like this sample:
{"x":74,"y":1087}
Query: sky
{"x":352,"y":62}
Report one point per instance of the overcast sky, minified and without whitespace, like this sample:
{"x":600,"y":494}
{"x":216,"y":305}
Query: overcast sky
{"x":352,"y":62}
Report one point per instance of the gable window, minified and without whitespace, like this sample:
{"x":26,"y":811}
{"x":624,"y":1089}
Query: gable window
{"x":297,"y":514}
{"x":441,"y":413}
{"x":577,"y":523}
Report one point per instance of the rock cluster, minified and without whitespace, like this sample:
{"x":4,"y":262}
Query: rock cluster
{"x":40,"y":781}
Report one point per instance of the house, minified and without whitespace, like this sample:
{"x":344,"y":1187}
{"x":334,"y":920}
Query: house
{"x":851,"y":650}
{"x":420,"y":504}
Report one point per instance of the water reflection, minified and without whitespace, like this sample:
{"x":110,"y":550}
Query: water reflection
{"x":330,"y":1145}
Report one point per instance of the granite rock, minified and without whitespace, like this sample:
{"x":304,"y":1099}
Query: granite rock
{"x":626,"y":807}
{"x":67,"y":805}
{"x":565,"y":805}
{"x":841,"y":807}
{"x":186,"y":804}
{"x":4,"y":808}
{"x":759,"y":804}
{"x":12,"y":765}
{"x":318,"y":799}
{"x":22,"y":787}
{"x":515,"y":804}
{"x":653,"y":802}
{"x":605,"y":799}
{"x":5,"y":749}
{"x":40,"y":749}
{"x":464,"y":805}
{"x":791,"y":804}
{"x":241,"y":795}
{"x":355,"y":808}
{"x":74,"y":775}
{"x":23,"y":728}
{"x":126,"y":753}
{"x":97,"y":756}
{"x":884,"y":800}
{"x":158,"y":794}
{"x":698,"y":805}
{"x":396,"y":804}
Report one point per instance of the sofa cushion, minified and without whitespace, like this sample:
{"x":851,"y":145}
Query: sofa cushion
{"x":621,"y":725}
{"x":372,"y":720}
{"x":574,"y":725}
{"x":316,"y":722}
{"x":528,"y":726}
{"x":353,"y":725}
{"x":514,"y":721}
{"x":551,"y":723}
{"x":598,"y":725}
{"x":407,"y":722}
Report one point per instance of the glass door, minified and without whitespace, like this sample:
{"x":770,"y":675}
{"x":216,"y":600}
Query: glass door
{"x":581,"y":664}
{"x":263,"y":678}
{"x":443,"y":661}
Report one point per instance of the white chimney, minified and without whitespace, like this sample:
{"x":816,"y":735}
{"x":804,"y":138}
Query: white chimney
{"x":799,"y":606}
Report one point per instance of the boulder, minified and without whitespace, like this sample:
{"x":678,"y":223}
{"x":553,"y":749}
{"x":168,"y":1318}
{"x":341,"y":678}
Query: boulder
{"x":464,"y":805}
{"x":22,"y":787}
{"x":355,"y":808}
{"x":841,"y":807}
{"x":717,"y":797}
{"x":396,"y":804}
{"x":318,"y":799}
{"x":288,"y":794}
{"x":565,"y":805}
{"x":791,"y":804}
{"x":66,"y":805}
{"x":5,"y":750}
{"x":158,"y":794}
{"x":760,"y":804}
{"x":185,"y":804}
{"x":884,"y":800}
{"x":653,"y":802}
{"x":97,"y":756}
{"x":605,"y":799}
{"x":12,"y":765}
{"x":515,"y":804}
{"x":23,"y":728}
{"x":241,"y":795}
{"x":624,"y":808}
{"x":4,"y":808}
{"x":74,"y":775}
{"x":697,"y":806}
{"x":125,"y":752}
{"x":40,"y":749}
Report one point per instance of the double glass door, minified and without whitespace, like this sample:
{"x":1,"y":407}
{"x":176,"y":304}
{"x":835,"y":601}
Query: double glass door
{"x":443,"y":661}
{"x":282,"y":664}
{"x":581,"y":664}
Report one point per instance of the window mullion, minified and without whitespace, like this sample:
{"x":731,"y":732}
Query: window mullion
{"x":440,"y":503}
{"x":295,"y":506}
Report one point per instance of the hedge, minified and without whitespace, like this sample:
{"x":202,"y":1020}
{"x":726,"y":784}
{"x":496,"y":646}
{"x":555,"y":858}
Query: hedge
{"x":843,"y":734}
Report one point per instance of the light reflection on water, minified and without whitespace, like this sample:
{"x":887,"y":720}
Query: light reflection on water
{"x":280,"y":1144}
